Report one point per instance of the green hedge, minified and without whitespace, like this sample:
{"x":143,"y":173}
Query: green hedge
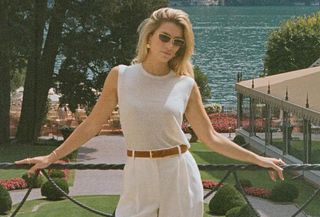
{"x":5,"y":200}
{"x":31,"y":181}
{"x":49,"y":191}
{"x":226,"y":198}
{"x":294,"y":45}
{"x":284,"y":191}
{"x":246,"y":211}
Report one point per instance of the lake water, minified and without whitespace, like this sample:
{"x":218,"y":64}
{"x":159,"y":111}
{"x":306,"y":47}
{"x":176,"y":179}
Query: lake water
{"x":233,"y":39}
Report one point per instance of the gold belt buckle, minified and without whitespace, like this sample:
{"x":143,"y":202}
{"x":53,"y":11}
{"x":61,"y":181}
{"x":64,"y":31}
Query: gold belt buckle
{"x":150,"y":153}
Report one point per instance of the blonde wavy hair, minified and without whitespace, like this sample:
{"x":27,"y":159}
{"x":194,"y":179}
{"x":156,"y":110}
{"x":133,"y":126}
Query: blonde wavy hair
{"x":181,"y":63}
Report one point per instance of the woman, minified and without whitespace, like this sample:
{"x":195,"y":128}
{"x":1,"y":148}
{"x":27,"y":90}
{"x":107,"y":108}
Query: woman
{"x":161,"y":177}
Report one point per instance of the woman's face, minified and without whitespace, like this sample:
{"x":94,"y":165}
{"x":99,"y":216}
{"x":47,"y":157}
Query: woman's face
{"x":166,"y":41}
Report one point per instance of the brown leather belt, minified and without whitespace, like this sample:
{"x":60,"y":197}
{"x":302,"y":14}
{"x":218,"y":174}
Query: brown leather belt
{"x":159,"y":152}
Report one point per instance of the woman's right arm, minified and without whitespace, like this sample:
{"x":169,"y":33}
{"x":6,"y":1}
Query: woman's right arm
{"x":87,"y":129}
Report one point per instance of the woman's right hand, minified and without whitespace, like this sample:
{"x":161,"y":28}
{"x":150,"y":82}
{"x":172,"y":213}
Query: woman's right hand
{"x":39,"y":162}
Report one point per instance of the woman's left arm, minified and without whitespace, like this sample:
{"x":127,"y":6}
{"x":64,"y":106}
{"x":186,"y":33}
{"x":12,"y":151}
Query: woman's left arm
{"x":202,"y":126}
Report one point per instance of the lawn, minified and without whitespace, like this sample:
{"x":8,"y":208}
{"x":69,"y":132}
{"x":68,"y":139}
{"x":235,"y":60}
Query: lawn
{"x":297,"y":149}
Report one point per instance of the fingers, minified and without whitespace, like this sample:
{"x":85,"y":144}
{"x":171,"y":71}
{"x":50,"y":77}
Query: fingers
{"x":24,"y":161}
{"x":276,"y":172}
{"x":280,"y":162}
{"x":272,"y":175}
{"x":277,"y":169}
{"x":33,"y":170}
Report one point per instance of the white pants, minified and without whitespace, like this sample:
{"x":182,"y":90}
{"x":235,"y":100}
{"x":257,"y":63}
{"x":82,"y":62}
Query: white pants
{"x":162,"y":187}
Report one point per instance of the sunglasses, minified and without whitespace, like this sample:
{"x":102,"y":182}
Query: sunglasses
{"x":179,"y":42}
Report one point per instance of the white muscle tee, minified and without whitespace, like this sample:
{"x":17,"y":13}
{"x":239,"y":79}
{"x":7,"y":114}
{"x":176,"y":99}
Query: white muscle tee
{"x":152,"y":107}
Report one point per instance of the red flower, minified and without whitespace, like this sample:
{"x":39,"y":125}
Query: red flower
{"x":13,"y":184}
{"x":257,"y":192}
{"x":209,"y":184}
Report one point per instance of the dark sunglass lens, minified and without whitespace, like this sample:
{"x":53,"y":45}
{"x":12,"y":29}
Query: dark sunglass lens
{"x":164,"y":38}
{"x":178,"y":42}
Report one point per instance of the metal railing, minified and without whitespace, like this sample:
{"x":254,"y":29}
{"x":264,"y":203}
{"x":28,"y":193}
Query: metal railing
{"x":231,"y":168}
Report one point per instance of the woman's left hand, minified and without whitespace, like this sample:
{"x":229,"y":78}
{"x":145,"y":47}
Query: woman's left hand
{"x":274,"y":165}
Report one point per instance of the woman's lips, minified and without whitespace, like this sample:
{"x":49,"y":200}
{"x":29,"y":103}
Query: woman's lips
{"x":166,"y":53}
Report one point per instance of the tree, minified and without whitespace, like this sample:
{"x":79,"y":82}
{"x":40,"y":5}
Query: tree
{"x":85,"y":34}
{"x":294,"y":45}
{"x":40,"y":67}
{"x":5,"y":73}
{"x":203,"y":84}
{"x":13,"y":49}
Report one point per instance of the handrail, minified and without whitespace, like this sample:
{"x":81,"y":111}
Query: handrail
{"x":231,"y":168}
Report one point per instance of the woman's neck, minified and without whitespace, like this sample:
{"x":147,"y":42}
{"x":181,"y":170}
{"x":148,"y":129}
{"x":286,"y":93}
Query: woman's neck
{"x":158,"y":69}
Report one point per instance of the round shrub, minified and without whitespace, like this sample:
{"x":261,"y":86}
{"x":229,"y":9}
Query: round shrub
{"x":233,"y":212}
{"x":246,"y":211}
{"x":227,"y":197}
{"x":284,"y":192}
{"x":5,"y":200}
{"x":57,"y":174}
{"x":238,"y":139}
{"x":49,"y":191}
{"x":31,"y":181}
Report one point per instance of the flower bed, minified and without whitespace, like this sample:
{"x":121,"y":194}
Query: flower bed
{"x":226,"y":123}
{"x":253,"y":191}
{"x":14,"y":184}
{"x":209,"y":184}
{"x":223,"y":123}
{"x":258,"y":192}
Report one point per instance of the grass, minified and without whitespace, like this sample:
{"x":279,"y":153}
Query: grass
{"x":297,"y":149}
{"x":40,"y":208}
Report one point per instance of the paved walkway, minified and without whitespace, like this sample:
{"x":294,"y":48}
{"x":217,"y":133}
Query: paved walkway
{"x":111,"y":150}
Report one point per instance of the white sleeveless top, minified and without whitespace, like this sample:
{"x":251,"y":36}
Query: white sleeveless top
{"x":152,"y":107}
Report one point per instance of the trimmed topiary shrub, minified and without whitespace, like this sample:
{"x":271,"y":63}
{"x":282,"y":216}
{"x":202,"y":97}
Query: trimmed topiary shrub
{"x":31,"y":181}
{"x":238,"y":139}
{"x":294,"y":45}
{"x":226,"y":198}
{"x":5,"y":200}
{"x":246,"y":211}
{"x":233,"y":212}
{"x":284,"y":191}
{"x":49,"y":191}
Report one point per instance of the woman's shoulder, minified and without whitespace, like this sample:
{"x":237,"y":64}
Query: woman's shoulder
{"x":186,"y":78}
{"x":122,"y":68}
